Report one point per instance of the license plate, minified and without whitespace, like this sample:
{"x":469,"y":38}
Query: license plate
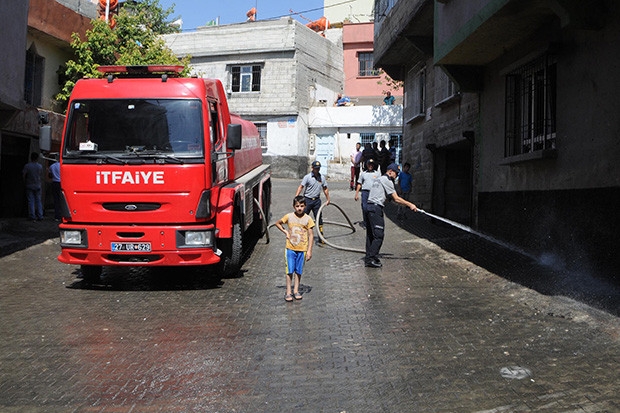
{"x":131,"y":246}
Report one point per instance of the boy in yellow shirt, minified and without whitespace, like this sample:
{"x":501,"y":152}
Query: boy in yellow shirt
{"x":299,"y":240}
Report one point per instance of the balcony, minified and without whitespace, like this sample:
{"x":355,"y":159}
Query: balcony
{"x":470,"y":35}
{"x":403,"y":34}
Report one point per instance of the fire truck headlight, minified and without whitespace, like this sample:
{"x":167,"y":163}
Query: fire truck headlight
{"x":72,"y":237}
{"x":199,"y":238}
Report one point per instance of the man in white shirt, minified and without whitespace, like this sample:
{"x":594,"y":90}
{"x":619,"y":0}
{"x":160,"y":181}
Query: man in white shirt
{"x":356,"y":158}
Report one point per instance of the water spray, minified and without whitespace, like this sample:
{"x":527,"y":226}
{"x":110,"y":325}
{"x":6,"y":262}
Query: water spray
{"x":350,"y":225}
{"x":453,"y":223}
{"x":479,"y":234}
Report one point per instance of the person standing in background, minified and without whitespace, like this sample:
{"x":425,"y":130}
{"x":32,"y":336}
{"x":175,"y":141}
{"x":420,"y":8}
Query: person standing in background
{"x":32,"y":179}
{"x":310,"y":187}
{"x":367,"y":153}
{"x":405,"y":180}
{"x":384,"y":157}
{"x":388,"y":99}
{"x":54,"y":174}
{"x":392,"y":151}
{"x":356,"y":157}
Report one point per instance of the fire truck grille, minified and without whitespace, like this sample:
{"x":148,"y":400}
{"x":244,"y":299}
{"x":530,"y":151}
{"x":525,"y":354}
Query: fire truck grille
{"x":128,"y":207}
{"x":134,"y":258}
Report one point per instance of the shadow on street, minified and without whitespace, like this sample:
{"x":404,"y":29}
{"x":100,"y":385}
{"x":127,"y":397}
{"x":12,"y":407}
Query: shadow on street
{"x":594,"y":286}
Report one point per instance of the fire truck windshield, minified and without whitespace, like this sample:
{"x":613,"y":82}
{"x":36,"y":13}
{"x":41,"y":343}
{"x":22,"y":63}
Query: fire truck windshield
{"x":135,"y":127}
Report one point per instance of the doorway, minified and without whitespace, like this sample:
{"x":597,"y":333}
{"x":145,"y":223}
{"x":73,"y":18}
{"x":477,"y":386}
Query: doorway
{"x":14,"y":155}
{"x":453,"y":182}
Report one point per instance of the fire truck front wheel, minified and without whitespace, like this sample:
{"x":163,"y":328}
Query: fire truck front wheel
{"x":232,"y":250}
{"x":91,"y":273}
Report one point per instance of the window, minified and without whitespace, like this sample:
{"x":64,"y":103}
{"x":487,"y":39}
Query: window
{"x":366,"y":64}
{"x":33,"y":80}
{"x":214,"y":124}
{"x":246,"y":78}
{"x":397,"y":140}
{"x":383,"y":7}
{"x":367,"y":138}
{"x":444,"y":86}
{"x":262,"y":131}
{"x":531,"y":107}
{"x":416,"y":96}
{"x":141,"y":129}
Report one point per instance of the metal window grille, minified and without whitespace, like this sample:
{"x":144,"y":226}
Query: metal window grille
{"x":397,"y":138}
{"x":367,"y":138}
{"x":444,"y":86}
{"x":531,"y":107}
{"x":366,"y":64}
{"x":256,"y":69}
{"x":246,"y":78}
{"x":236,"y":78}
{"x":262,"y":131}
{"x":416,"y":97}
{"x":33,"y":79}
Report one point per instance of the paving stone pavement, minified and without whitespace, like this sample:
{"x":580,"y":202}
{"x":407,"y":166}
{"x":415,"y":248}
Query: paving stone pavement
{"x":431,"y":331}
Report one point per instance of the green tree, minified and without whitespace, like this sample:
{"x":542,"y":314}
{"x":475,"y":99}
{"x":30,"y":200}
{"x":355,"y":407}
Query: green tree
{"x":390,"y":83}
{"x":134,"y":40}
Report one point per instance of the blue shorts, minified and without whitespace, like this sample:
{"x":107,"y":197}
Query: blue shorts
{"x":295,"y":261}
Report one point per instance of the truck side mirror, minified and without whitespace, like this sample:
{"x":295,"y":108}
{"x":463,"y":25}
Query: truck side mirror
{"x":233,"y":141}
{"x":45,"y":138}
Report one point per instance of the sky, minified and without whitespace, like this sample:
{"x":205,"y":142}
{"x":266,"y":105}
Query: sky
{"x":199,"y":12}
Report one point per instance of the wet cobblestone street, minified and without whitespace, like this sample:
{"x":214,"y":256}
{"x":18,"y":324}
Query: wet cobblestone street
{"x":431,"y":331}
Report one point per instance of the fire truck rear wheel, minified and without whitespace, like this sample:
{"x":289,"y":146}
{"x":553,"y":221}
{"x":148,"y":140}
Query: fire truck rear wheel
{"x":91,"y":273}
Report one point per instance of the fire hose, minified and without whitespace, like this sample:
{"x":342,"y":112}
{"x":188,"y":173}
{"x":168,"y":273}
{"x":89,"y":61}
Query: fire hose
{"x":349,"y":224}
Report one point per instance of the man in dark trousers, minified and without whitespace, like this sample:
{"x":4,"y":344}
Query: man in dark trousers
{"x":32,"y":179}
{"x":381,"y":191}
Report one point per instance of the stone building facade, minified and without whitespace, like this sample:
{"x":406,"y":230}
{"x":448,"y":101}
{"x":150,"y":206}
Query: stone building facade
{"x":526,"y":149}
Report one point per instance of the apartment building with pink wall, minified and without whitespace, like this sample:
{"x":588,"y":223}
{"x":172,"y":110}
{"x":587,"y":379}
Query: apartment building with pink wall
{"x":364,"y":84}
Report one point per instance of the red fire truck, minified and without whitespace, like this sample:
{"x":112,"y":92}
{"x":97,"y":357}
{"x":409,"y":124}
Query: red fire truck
{"x":156,"y":171}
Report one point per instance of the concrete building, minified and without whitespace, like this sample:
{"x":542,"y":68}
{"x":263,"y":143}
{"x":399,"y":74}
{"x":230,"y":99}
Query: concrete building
{"x":274,"y":72}
{"x":40,"y":37}
{"x":337,"y":129}
{"x":520,"y":139}
{"x":357,"y":11}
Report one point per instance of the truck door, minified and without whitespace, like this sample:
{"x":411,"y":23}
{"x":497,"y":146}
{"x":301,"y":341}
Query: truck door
{"x":218,"y":148}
